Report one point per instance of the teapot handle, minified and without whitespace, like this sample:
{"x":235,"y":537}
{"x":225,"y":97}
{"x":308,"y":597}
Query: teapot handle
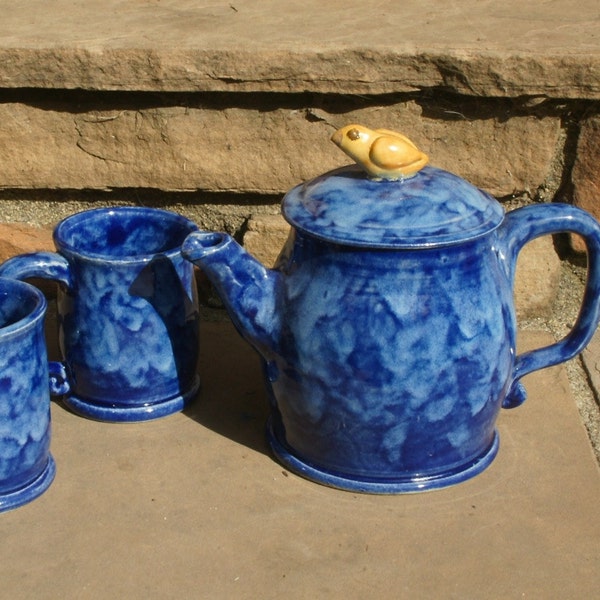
{"x":523,"y":225}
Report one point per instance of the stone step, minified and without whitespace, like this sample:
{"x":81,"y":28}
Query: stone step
{"x":222,"y":107}
{"x":338,"y":47}
{"x":494,"y":93}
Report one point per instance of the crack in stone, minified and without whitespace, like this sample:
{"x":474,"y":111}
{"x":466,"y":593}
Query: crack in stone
{"x":80,"y":142}
{"x":80,"y":145}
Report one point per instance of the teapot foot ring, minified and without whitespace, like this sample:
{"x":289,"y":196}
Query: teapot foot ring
{"x":131,"y":413}
{"x":404,"y":485}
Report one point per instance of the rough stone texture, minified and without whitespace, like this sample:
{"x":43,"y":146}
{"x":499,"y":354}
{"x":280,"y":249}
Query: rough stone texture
{"x":18,"y":238}
{"x":321,"y":69}
{"x":537,"y":278}
{"x":222,"y":107}
{"x":342,"y":46}
{"x":586,"y":172}
{"x":261,"y":148}
{"x":265,"y":237}
{"x":228,"y":213}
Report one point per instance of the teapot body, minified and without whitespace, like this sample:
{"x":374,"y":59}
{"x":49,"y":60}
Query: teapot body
{"x":392,"y":363}
{"x":387,"y":330}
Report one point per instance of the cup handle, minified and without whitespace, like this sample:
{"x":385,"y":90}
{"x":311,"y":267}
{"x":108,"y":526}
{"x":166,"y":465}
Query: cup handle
{"x":523,"y":225}
{"x":46,"y":265}
{"x":59,"y":381}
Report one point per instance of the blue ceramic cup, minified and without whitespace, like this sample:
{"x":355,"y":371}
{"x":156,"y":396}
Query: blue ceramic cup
{"x":26,"y":465}
{"x":128,"y":311}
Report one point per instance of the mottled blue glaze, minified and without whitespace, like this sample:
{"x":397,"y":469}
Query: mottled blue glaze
{"x":431,"y":207}
{"x":128,"y":311}
{"x":26,"y":465}
{"x":388,"y":354}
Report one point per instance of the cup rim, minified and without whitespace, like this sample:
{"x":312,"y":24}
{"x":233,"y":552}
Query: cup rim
{"x":155,"y":213}
{"x":31,"y":317}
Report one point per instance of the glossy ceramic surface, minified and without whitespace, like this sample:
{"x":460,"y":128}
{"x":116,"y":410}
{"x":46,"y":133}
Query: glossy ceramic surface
{"x":433,"y":208}
{"x":388,"y":329}
{"x":26,"y":465}
{"x":393,"y":373}
{"x":382,"y":153}
{"x":128,"y":311}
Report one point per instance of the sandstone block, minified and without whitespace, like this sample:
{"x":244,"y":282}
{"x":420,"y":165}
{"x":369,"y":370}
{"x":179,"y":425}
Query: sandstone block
{"x":536,"y":281}
{"x":537,"y":278}
{"x":348,"y":48}
{"x":264,"y":149}
{"x":20,"y":238}
{"x":348,"y":69}
{"x":504,"y":157}
{"x":265,"y":237}
{"x":586,"y":174}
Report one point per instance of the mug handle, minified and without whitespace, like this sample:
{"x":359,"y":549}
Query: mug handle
{"x":59,"y":381}
{"x":45,"y":265}
{"x":523,"y":225}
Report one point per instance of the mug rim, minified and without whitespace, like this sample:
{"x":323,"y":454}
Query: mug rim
{"x":32,"y":316}
{"x":66,"y":248}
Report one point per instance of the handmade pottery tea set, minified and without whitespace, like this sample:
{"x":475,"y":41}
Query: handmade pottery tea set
{"x":387,"y":330}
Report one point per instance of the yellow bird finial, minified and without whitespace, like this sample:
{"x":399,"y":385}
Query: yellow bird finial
{"x":382,"y":153}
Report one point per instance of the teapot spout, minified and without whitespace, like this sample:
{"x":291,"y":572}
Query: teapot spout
{"x":246,"y":287}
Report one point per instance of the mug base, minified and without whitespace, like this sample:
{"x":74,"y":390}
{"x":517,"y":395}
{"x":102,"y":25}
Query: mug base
{"x":119,"y":413}
{"x":404,"y":485}
{"x":31,"y":491}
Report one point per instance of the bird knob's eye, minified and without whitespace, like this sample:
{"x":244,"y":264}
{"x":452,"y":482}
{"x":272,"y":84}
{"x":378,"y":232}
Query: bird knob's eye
{"x":353,"y":134}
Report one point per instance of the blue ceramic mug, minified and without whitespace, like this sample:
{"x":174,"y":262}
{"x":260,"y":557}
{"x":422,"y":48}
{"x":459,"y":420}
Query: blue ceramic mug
{"x":128,"y":311}
{"x":26,"y":465}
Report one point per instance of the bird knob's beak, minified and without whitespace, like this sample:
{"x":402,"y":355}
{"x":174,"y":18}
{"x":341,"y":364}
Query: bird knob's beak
{"x":336,"y":138}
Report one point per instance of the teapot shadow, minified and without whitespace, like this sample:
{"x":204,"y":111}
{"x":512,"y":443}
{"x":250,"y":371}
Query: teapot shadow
{"x":232,"y":399}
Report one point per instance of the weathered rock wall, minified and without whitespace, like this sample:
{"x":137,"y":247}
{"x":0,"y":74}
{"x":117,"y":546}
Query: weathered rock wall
{"x":216,"y":109}
{"x":266,"y":143}
{"x":225,"y":159}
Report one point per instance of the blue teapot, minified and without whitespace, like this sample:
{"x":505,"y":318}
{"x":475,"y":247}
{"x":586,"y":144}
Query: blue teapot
{"x":387,"y":329}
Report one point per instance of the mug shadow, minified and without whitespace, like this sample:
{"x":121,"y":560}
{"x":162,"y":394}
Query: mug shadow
{"x":232,"y":399}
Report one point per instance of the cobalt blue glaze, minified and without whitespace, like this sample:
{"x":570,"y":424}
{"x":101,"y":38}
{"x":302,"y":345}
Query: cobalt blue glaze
{"x":388,"y":328}
{"x":128,"y":311}
{"x":26,"y":466}
{"x":374,"y":217}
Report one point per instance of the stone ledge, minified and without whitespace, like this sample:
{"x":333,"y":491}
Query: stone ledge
{"x":20,"y":238}
{"x":494,"y":93}
{"x":351,"y":47}
{"x":338,"y":71}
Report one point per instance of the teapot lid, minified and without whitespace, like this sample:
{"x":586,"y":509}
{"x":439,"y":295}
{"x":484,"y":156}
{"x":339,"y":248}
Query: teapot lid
{"x":407,"y":206}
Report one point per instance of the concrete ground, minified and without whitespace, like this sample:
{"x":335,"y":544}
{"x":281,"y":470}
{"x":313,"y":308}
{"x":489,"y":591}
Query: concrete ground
{"x":194,"y":506}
